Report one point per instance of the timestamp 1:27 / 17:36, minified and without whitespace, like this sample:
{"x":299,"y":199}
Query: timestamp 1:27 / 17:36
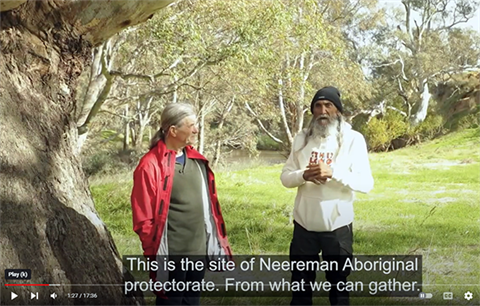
{"x":81,"y":295}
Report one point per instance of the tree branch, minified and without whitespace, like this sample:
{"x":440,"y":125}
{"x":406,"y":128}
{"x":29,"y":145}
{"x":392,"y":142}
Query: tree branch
{"x":401,"y":92}
{"x":400,"y":59}
{"x":464,"y":68}
{"x":397,"y":110}
{"x":261,"y":124}
{"x":100,"y":100}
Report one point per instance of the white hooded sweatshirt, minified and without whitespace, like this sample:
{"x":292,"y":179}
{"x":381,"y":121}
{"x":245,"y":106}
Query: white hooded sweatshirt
{"x":326,"y":207}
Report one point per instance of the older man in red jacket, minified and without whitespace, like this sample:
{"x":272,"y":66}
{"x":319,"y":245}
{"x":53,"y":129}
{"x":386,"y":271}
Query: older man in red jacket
{"x":174,"y":201}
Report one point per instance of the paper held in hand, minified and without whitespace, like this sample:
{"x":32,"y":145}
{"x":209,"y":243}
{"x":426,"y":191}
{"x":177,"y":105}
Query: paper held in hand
{"x":314,"y":158}
{"x":314,"y":161}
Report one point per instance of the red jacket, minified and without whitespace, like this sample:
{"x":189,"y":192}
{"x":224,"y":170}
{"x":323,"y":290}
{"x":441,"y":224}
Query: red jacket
{"x":152,"y":186}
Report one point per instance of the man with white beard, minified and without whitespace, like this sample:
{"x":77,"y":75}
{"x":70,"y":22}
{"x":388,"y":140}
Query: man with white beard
{"x":328,"y":163}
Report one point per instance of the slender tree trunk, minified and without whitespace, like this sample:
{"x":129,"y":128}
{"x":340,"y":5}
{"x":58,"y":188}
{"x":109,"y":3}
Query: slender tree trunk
{"x":422,"y":109}
{"x":220,"y":139}
{"x":175,"y":91}
{"x":126,"y":129}
{"x":283,"y":114}
{"x":133,"y":132}
{"x":217,"y":153}
{"x":139,"y":138}
{"x":143,"y":115}
{"x":201,"y":134}
{"x":201,"y":123}
{"x":96,"y":83}
{"x":301,"y":97}
{"x":100,"y":85}
{"x":49,"y":222}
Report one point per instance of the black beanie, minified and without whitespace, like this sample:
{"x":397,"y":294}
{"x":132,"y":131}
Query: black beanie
{"x":329,"y":93}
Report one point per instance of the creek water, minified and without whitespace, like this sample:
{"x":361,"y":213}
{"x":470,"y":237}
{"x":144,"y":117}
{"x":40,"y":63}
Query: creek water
{"x":264,"y":157}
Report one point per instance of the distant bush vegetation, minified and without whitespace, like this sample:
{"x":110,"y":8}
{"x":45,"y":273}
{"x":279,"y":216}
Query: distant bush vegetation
{"x":456,"y":107}
{"x":393,"y":132}
{"x":109,"y":161}
{"x":386,"y":133}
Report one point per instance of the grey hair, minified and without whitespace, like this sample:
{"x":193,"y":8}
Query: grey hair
{"x":173,"y":114}
{"x":340,"y":120}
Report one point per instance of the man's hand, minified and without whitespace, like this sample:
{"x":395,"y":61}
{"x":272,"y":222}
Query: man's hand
{"x":318,"y":173}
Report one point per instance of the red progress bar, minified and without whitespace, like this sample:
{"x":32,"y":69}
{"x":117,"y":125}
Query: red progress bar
{"x":27,"y":285}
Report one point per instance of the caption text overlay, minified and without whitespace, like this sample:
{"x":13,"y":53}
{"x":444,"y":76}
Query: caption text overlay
{"x":247,"y":275}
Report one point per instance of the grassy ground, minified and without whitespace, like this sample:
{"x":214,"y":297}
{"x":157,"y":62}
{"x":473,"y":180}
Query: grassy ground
{"x":425,"y":202}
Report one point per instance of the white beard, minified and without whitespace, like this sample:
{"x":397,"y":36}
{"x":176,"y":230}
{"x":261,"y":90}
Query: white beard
{"x":323,"y":131}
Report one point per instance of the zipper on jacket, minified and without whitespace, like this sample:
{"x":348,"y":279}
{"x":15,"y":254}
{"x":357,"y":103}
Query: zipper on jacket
{"x":161,"y":207}
{"x":155,"y":233}
{"x":222,"y":226}
{"x":165,"y":183}
{"x":217,"y":207}
{"x":213,"y":186}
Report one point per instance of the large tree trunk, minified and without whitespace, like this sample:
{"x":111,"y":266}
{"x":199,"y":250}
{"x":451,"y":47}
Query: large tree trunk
{"x":49,"y":222}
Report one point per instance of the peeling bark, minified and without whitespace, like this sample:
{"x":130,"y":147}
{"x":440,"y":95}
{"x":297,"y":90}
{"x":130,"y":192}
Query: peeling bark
{"x":7,"y":5}
{"x":49,"y":222}
{"x":94,"y":21}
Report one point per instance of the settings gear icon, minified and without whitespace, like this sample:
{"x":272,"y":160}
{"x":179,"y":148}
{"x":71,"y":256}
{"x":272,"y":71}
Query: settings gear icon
{"x":468,"y":295}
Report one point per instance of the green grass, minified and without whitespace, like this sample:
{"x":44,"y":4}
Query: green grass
{"x":425,"y":202}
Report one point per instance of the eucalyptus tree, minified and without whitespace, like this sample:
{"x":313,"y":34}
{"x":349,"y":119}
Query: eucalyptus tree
{"x":424,"y":45}
{"x":170,"y":57}
{"x":49,"y":223}
{"x":307,"y":50}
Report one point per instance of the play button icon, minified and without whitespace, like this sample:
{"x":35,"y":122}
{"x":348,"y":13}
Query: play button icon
{"x":13,"y":295}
